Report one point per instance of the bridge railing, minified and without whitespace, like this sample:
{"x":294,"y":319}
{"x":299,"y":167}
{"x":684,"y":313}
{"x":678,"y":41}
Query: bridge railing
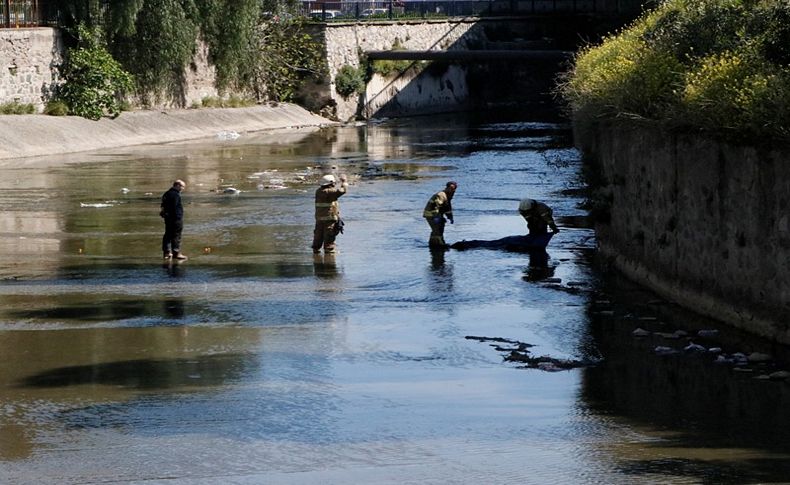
{"x":328,"y":11}
{"x":27,"y":13}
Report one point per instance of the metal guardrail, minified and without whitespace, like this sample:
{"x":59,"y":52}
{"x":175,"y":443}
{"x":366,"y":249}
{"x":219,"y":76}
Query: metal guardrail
{"x":328,"y":11}
{"x":27,"y":13}
{"x":32,"y":13}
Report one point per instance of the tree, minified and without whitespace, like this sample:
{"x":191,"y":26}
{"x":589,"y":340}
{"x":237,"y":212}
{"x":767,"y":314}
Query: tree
{"x":94,"y":82}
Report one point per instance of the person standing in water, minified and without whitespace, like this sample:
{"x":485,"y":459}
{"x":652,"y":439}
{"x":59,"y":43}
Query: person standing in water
{"x":438,"y":209}
{"x":327,"y":213}
{"x":173,"y":213}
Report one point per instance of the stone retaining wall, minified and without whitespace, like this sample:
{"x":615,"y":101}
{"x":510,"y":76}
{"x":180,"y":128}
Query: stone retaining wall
{"x":28,"y":58}
{"x":703,"y":223}
{"x":28,"y":69}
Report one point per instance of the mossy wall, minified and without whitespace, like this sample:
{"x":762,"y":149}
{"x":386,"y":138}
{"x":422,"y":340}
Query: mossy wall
{"x":702,"y":222}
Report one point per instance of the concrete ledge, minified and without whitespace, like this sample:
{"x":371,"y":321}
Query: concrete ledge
{"x":697,"y":301}
{"x":37,"y":135}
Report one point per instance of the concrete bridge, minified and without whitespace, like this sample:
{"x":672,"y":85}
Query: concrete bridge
{"x":470,"y":55}
{"x":457,"y":64}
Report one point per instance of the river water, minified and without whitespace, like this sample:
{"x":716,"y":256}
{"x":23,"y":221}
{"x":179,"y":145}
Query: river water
{"x":257,"y":362}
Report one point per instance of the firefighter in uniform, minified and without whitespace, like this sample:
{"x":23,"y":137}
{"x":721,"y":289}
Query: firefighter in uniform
{"x":538,"y":215}
{"x":438,"y":208}
{"x":327,"y":213}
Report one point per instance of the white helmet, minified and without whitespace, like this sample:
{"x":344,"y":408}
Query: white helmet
{"x":526,"y":204}
{"x":328,"y":179}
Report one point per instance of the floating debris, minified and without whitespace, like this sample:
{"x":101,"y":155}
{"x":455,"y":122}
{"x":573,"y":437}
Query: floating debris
{"x":124,"y":190}
{"x":667,"y":335}
{"x":522,"y":355}
{"x":640,"y":332}
{"x":97,"y":205}
{"x":759,"y":357}
{"x":231,"y":191}
{"x":661,"y":350}
{"x":707,"y":333}
{"x":692,"y":347}
{"x":227,"y":135}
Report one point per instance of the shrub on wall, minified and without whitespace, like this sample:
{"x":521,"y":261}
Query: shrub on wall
{"x":16,"y":108}
{"x":720,"y":66}
{"x":56,"y":108}
{"x":94,"y":82}
{"x":349,"y":80}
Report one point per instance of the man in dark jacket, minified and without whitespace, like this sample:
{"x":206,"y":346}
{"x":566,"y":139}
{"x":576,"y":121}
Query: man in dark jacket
{"x":173,"y":214}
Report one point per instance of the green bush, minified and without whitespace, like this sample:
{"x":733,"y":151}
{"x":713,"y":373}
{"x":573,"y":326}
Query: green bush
{"x":721,"y":66}
{"x":94,"y":82}
{"x":56,"y":108}
{"x":349,"y":80}
{"x":389,"y":67}
{"x":233,"y":101}
{"x":16,"y":108}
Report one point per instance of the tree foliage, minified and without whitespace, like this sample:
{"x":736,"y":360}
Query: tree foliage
{"x":721,"y":66}
{"x":94,"y":82}
{"x":257,"y":48}
{"x":286,"y":55}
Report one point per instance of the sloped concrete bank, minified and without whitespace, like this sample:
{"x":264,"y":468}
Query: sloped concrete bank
{"x":703,"y":223}
{"x":36,"y":135}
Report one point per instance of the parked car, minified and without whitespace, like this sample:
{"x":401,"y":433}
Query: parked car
{"x":325,"y":14}
{"x":374,"y":12}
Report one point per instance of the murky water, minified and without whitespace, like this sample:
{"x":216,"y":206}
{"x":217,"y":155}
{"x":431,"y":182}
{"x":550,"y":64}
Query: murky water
{"x":256,"y":362}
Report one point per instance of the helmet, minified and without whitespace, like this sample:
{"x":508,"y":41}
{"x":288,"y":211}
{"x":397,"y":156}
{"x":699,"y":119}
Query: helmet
{"x":328,"y":179}
{"x":526,"y":204}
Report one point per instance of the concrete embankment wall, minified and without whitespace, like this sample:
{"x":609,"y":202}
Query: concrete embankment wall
{"x":35,"y":135}
{"x":704,"y":223}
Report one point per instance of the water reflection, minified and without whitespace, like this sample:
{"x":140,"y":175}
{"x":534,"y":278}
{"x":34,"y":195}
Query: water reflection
{"x":174,"y":269}
{"x":325,"y":265}
{"x":540,"y":266}
{"x":174,"y":308}
{"x":440,"y":275}
{"x":258,"y":358}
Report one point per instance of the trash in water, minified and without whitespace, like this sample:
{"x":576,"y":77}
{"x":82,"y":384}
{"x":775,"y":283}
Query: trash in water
{"x":125,"y":190}
{"x":97,"y":205}
{"x":227,"y":135}
{"x":692,"y":347}
{"x":231,"y":191}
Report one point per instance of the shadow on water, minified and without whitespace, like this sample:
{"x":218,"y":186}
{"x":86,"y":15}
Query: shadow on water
{"x":541,"y":267}
{"x":202,"y":370}
{"x":89,"y":312}
{"x":212,"y":268}
{"x":720,"y":421}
